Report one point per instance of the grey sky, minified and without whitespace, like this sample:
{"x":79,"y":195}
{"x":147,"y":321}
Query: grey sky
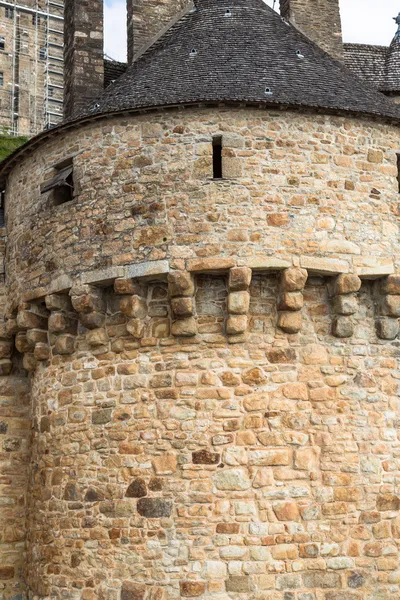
{"x":364,"y":21}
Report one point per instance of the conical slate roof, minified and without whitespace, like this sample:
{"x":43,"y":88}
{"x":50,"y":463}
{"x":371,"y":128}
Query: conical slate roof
{"x":239,"y":51}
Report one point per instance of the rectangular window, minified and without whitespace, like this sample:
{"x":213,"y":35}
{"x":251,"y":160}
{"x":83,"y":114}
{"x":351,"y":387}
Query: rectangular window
{"x":1,"y":79}
{"x":42,"y":53}
{"x":35,"y":19}
{"x":398,"y":171}
{"x":61,"y":185}
{"x":217,"y":157}
{"x":9,"y":13}
{"x":2,"y":42}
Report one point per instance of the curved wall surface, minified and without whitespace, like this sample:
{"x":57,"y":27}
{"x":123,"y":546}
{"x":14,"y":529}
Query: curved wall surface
{"x":214,"y":364}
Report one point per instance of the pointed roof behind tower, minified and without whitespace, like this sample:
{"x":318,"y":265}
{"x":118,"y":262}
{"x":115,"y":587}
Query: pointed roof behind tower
{"x":238,"y":51}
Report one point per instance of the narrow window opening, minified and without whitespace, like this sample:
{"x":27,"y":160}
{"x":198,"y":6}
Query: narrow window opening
{"x":61,"y":185}
{"x":1,"y":79}
{"x":398,"y":171}
{"x":2,"y":203}
{"x":217,"y":157}
{"x":2,"y":42}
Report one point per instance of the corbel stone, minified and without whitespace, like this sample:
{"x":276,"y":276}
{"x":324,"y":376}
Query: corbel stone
{"x":31,"y":337}
{"x":89,"y":303}
{"x":6,"y":348}
{"x":291,"y":299}
{"x":63,"y":324}
{"x":387,"y":292}
{"x":238,"y":302}
{"x":133,"y":304}
{"x":343,"y":291}
{"x":182,"y":290}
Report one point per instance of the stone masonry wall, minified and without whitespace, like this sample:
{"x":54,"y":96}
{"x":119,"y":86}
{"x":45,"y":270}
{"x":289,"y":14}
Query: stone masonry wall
{"x":319,"y":20}
{"x":214,"y":363}
{"x":14,"y":458}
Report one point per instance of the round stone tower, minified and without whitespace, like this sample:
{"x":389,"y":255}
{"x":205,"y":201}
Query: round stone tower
{"x":203,"y":284}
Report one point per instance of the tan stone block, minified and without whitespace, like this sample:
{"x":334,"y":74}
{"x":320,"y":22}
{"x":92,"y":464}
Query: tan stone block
{"x":165,"y":464}
{"x":239,"y":279}
{"x":238,"y":584}
{"x":256,"y":402}
{"x":307,"y":458}
{"x":389,"y":285}
{"x":41,"y":352}
{"x":192,"y":589}
{"x":133,"y":591}
{"x":290,"y":322}
{"x":182,"y":307}
{"x":314,"y":354}
{"x":35,"y":336}
{"x":207,"y":265}
{"x":285,"y":552}
{"x":93,"y":320}
{"x":58,"y":302}
{"x":232,"y":167}
{"x":6,"y":366}
{"x":232,"y":479}
{"x":345,"y":305}
{"x":246,"y":438}
{"x":344,"y":283}
{"x":29,"y":363}
{"x":136,"y":328}
{"x":97,"y":337}
{"x":348,"y":494}
{"x":291,"y":301}
{"x":263,"y":478}
{"x":281,"y":355}
{"x":387,"y":328}
{"x":342,"y":327}
{"x":390,"y":306}
{"x":295,"y":391}
{"x":287,"y":511}
{"x":386,"y":502}
{"x":238,"y":303}
{"x":184,"y":327}
{"x":129,"y":287}
{"x":270,"y":458}
{"x":86,"y":299}
{"x":65,"y":344}
{"x":278,"y":219}
{"x":382,"y":530}
{"x":134,"y":307}
{"x":293,"y":279}
{"x":180,"y":283}
{"x":375,"y":156}
{"x":59,"y":322}
{"x":27,"y":319}
{"x":6,"y":348}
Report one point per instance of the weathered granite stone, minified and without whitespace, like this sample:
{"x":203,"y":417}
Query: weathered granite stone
{"x":154,"y":508}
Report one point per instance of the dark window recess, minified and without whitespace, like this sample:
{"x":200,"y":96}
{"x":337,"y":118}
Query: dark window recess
{"x":2,"y":202}
{"x":398,"y":171}
{"x":2,"y":42}
{"x":1,"y":79}
{"x":9,"y":13}
{"x":43,"y":53}
{"x":61,"y":186}
{"x":217,"y":157}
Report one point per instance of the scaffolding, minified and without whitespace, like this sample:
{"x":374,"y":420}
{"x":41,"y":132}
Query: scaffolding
{"x":31,"y":65}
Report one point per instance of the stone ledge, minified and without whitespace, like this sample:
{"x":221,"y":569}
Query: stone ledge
{"x":146,"y":269}
{"x":269,"y":263}
{"x":375,"y":272}
{"x":324,"y":266}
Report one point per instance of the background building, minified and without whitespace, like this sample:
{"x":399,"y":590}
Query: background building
{"x":31,"y":65}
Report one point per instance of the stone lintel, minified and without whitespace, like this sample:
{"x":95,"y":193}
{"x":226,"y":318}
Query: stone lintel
{"x":376,"y":272}
{"x":149,"y":268}
{"x":34,"y":294}
{"x":60,"y":285}
{"x":103,"y":277}
{"x":268,"y":263}
{"x":324,"y":266}
{"x":210,"y":265}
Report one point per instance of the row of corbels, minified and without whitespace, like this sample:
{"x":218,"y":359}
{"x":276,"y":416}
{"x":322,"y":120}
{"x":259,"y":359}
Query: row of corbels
{"x":51,"y":324}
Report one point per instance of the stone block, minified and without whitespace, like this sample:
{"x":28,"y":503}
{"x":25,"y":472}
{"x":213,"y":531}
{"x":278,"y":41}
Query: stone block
{"x":321,"y":580}
{"x":180,"y":283}
{"x":287,"y":511}
{"x":64,"y":344}
{"x":290,"y":322}
{"x":5,"y":366}
{"x":41,"y":352}
{"x":154,"y":508}
{"x":293,"y":279}
{"x":6,"y":348}
{"x":205,"y":457}
{"x":387,"y":329}
{"x":137,"y":489}
{"x":291,"y":301}
{"x":166,"y":464}
{"x":133,"y":591}
{"x":239,"y":279}
{"x":134,"y":307}
{"x":29,"y":363}
{"x":238,"y":584}
{"x":184,"y":327}
{"x":97,"y":337}
{"x":342,"y":327}
{"x":389,"y":285}
{"x":27,"y":319}
{"x":192,"y":589}
{"x":210,"y":265}
{"x":58,"y":302}
{"x":129,"y":287}
{"x":344,"y":283}
{"x":232,"y":480}
{"x":345,"y":305}
{"x":386,"y":502}
{"x":281,"y":355}
{"x":182,"y":307}
{"x":36,"y":336}
{"x":87,"y":299}
{"x":93,"y":320}
{"x":390,"y":306}
{"x":238,"y":303}
{"x":236,"y":324}
{"x":59,"y":322}
{"x":136,"y":328}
